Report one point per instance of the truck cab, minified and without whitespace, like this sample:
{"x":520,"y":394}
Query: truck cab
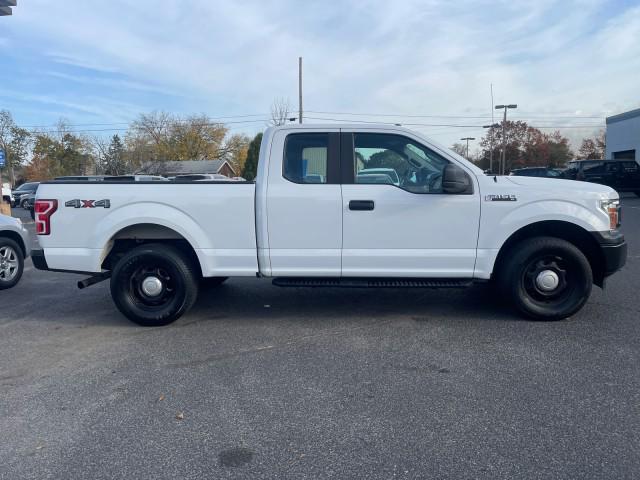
{"x":338,"y":205}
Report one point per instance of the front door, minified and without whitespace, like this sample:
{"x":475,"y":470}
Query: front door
{"x":397,"y":221}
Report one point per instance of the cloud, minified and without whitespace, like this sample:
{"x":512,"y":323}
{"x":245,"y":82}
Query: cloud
{"x":407,"y":57}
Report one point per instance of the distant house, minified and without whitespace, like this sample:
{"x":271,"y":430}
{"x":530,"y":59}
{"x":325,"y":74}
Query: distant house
{"x":623,"y":136}
{"x":173,"y":168}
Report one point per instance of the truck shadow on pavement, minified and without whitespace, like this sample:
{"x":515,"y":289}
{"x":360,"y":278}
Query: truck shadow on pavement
{"x":258,"y":299}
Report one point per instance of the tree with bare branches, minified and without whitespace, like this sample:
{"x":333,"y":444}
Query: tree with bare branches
{"x":280,"y":110}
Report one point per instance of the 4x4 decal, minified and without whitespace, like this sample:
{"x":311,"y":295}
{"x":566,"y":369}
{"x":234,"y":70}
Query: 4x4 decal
{"x":76,"y":203}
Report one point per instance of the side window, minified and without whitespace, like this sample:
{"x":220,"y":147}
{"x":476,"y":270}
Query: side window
{"x":305,"y":157}
{"x":593,"y":168}
{"x":397,"y":160}
{"x":612,"y":167}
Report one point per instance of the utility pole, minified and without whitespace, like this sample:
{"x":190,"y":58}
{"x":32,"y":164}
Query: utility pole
{"x":490,"y":133}
{"x":467,"y":139}
{"x":491,"y":139}
{"x":299,"y":89}
{"x":504,"y":136}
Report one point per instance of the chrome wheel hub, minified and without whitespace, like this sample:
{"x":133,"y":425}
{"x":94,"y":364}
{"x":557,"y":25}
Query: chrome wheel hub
{"x":547,"y":280}
{"x":152,"y":286}
{"x":8,"y":263}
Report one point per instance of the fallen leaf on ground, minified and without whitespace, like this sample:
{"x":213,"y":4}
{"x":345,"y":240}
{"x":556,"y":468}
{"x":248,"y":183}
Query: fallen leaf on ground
{"x":161,"y":398}
{"x":180,"y":416}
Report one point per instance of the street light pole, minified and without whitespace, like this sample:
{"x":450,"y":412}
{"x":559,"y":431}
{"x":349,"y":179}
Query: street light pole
{"x":504,"y":137}
{"x":467,"y":139}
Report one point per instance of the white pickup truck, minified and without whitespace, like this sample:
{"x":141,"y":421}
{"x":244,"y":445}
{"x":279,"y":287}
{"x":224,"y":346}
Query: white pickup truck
{"x":346,"y":205}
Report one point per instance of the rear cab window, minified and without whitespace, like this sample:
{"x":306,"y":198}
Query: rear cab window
{"x":306,"y":157}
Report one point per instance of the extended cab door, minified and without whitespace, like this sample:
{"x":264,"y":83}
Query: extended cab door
{"x":397,"y":221}
{"x":304,"y":203}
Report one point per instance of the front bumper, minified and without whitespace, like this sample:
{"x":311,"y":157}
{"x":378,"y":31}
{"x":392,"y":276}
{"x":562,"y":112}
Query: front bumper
{"x":614,"y":250}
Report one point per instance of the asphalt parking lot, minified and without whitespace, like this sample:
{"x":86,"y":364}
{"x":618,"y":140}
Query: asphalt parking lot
{"x":261,"y":382}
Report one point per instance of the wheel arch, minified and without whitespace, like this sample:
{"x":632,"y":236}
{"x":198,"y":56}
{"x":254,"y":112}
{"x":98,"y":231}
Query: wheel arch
{"x":137,"y":234}
{"x":11,"y":235}
{"x":571,"y":232}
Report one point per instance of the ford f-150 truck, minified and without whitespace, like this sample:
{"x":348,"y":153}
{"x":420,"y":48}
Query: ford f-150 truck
{"x":337,"y":205}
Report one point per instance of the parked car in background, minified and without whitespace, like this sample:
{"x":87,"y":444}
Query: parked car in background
{"x":544,"y":172}
{"x":137,"y":178}
{"x":28,"y":201}
{"x":22,"y":191}
{"x":82,"y":178}
{"x":14,"y":248}
{"x":201,"y":177}
{"x":621,"y":175}
{"x":378,"y":175}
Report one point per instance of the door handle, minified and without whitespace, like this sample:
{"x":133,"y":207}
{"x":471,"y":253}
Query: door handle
{"x":361,"y":205}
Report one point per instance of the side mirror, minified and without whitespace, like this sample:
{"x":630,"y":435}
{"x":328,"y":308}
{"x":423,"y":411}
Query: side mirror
{"x":455,"y":180}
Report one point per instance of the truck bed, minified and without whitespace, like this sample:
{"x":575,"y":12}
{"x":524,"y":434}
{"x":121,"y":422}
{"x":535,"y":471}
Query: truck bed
{"x":216,"y":218}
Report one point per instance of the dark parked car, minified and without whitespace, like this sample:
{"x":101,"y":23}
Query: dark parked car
{"x":537,"y":172}
{"x":621,"y":175}
{"x":28,"y":203}
{"x":22,"y":191}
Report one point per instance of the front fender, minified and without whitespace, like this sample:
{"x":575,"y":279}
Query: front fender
{"x":497,"y":226}
{"x":501,"y":220}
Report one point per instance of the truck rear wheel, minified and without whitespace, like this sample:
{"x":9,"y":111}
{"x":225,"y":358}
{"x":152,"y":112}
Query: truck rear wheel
{"x":546,"y":278}
{"x":154,"y":284}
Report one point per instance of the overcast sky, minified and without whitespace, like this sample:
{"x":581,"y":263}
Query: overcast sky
{"x":104,"y":62}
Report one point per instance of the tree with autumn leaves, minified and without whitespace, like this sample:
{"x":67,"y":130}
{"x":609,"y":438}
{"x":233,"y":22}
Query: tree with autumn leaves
{"x":151,"y":140}
{"x":526,"y":146}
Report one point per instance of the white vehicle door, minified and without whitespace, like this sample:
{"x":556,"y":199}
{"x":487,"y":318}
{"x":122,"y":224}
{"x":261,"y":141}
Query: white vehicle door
{"x":402,"y":224}
{"x":304,"y":203}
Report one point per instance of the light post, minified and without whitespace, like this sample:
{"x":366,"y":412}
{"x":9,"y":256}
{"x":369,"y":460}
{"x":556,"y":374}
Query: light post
{"x":467,"y":139}
{"x":504,"y":137}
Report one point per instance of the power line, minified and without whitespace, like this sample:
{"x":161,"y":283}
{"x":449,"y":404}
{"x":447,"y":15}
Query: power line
{"x":374,"y":122}
{"x":132,"y":121}
{"x":400,"y":115}
{"x":124,"y":129}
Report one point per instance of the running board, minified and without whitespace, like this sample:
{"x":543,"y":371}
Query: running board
{"x":373,"y":282}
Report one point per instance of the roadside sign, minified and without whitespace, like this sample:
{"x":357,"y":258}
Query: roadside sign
{"x":2,"y":158}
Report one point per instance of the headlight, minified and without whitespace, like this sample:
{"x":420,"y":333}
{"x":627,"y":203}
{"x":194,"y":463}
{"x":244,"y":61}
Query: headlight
{"x":613,"y":210}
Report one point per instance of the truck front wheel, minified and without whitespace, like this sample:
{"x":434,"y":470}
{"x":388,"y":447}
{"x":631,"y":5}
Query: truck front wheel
{"x":546,"y":278}
{"x":154,"y":284}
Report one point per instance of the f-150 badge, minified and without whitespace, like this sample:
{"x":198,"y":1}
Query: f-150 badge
{"x":500,"y":198}
{"x":76,"y":203}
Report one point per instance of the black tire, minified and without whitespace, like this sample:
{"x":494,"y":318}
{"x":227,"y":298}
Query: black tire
{"x":11,"y":263}
{"x":522,"y":278}
{"x":177,"y":276}
{"x":24,"y":203}
{"x":213,"y":281}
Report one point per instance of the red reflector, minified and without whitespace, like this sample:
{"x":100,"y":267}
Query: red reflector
{"x":43,"y":209}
